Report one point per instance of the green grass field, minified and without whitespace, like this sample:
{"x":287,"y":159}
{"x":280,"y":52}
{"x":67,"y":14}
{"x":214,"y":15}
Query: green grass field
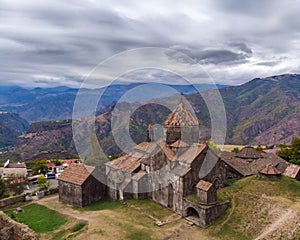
{"x":101,"y":205}
{"x":38,"y":218}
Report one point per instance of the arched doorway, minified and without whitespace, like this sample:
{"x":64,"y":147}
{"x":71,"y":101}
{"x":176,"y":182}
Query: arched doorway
{"x":170,"y":195}
{"x":217,"y":183}
{"x":192,"y":212}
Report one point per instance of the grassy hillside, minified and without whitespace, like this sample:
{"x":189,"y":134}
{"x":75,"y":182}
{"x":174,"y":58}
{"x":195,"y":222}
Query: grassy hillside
{"x":11,"y":126}
{"x":266,"y":208}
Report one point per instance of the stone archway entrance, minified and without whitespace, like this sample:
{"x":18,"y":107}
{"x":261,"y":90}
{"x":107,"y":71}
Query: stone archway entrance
{"x":192,"y":213}
{"x":170,"y":195}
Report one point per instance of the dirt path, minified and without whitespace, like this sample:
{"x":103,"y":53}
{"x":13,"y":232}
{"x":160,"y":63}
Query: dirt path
{"x":280,"y":222}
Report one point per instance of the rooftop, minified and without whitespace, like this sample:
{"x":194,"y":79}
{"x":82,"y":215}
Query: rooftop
{"x":249,"y":153}
{"x":181,"y":116}
{"x":179,"y":144}
{"x":270,"y":170}
{"x":292,"y":171}
{"x":203,"y":185}
{"x":247,"y":168}
{"x":76,"y":173}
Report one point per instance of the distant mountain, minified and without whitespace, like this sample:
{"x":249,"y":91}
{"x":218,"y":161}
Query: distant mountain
{"x":11,"y":126}
{"x":263,"y":111}
{"x":45,"y":104}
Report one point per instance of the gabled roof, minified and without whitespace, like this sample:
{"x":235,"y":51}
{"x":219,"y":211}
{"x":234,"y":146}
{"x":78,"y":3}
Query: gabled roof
{"x":292,"y":171}
{"x":181,"y":170}
{"x":153,"y":147}
{"x":7,"y":164}
{"x":191,"y":153}
{"x":125,"y":183}
{"x":179,"y":144}
{"x":249,"y":153}
{"x":181,"y":116}
{"x":139,"y":175}
{"x":128,"y":162}
{"x":270,"y":170}
{"x":16,"y":165}
{"x":203,"y":185}
{"x":76,"y":173}
{"x":246,"y":168}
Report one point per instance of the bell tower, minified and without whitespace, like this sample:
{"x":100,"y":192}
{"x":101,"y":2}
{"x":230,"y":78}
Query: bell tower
{"x":181,"y":125}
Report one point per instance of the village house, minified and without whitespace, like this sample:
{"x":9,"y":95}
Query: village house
{"x":13,"y":169}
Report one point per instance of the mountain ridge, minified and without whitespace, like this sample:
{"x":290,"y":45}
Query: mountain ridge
{"x":259,"y":112}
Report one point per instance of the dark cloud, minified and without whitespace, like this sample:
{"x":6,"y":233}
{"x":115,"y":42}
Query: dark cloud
{"x":57,"y":39}
{"x":268,"y":63}
{"x":208,"y":56}
{"x":241,"y":46}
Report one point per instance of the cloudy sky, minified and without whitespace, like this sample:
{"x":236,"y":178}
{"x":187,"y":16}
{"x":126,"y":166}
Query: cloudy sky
{"x":52,"y":43}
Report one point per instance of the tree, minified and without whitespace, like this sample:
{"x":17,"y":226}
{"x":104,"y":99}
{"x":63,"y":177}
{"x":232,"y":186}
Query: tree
{"x":43,"y":183}
{"x":15,"y":184}
{"x":236,"y":150}
{"x":291,"y":153}
{"x":39,"y":166}
{"x":56,"y":162}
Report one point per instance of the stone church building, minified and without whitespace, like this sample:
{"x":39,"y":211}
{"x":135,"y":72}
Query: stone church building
{"x":169,"y":170}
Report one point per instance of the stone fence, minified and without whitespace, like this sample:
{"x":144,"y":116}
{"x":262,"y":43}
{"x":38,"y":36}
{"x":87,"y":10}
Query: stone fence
{"x":21,"y":198}
{"x":12,"y":230}
{"x":12,"y":200}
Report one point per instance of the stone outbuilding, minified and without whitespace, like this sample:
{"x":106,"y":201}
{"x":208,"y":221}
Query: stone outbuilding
{"x":206,"y":192}
{"x":249,"y":162}
{"x":78,"y":186}
{"x":269,"y":171}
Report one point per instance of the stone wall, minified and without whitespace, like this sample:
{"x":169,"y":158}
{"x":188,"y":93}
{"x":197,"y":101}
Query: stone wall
{"x":203,"y":215}
{"x":11,"y":230}
{"x":12,"y":200}
{"x":70,"y":193}
{"x":92,"y":191}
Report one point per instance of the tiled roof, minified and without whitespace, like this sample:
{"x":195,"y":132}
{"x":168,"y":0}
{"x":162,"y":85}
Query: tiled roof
{"x":270,"y":170}
{"x":179,"y":144}
{"x":191,"y":153}
{"x":138,"y":175}
{"x":248,"y":153}
{"x":15,"y":165}
{"x":76,"y":173}
{"x":153,"y":147}
{"x":273,"y":150}
{"x":181,"y":116}
{"x":125,"y":183}
{"x":292,"y":171}
{"x":246,"y":168}
{"x":169,"y":153}
{"x":181,"y":170}
{"x":128,"y":162}
{"x":203,"y":185}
